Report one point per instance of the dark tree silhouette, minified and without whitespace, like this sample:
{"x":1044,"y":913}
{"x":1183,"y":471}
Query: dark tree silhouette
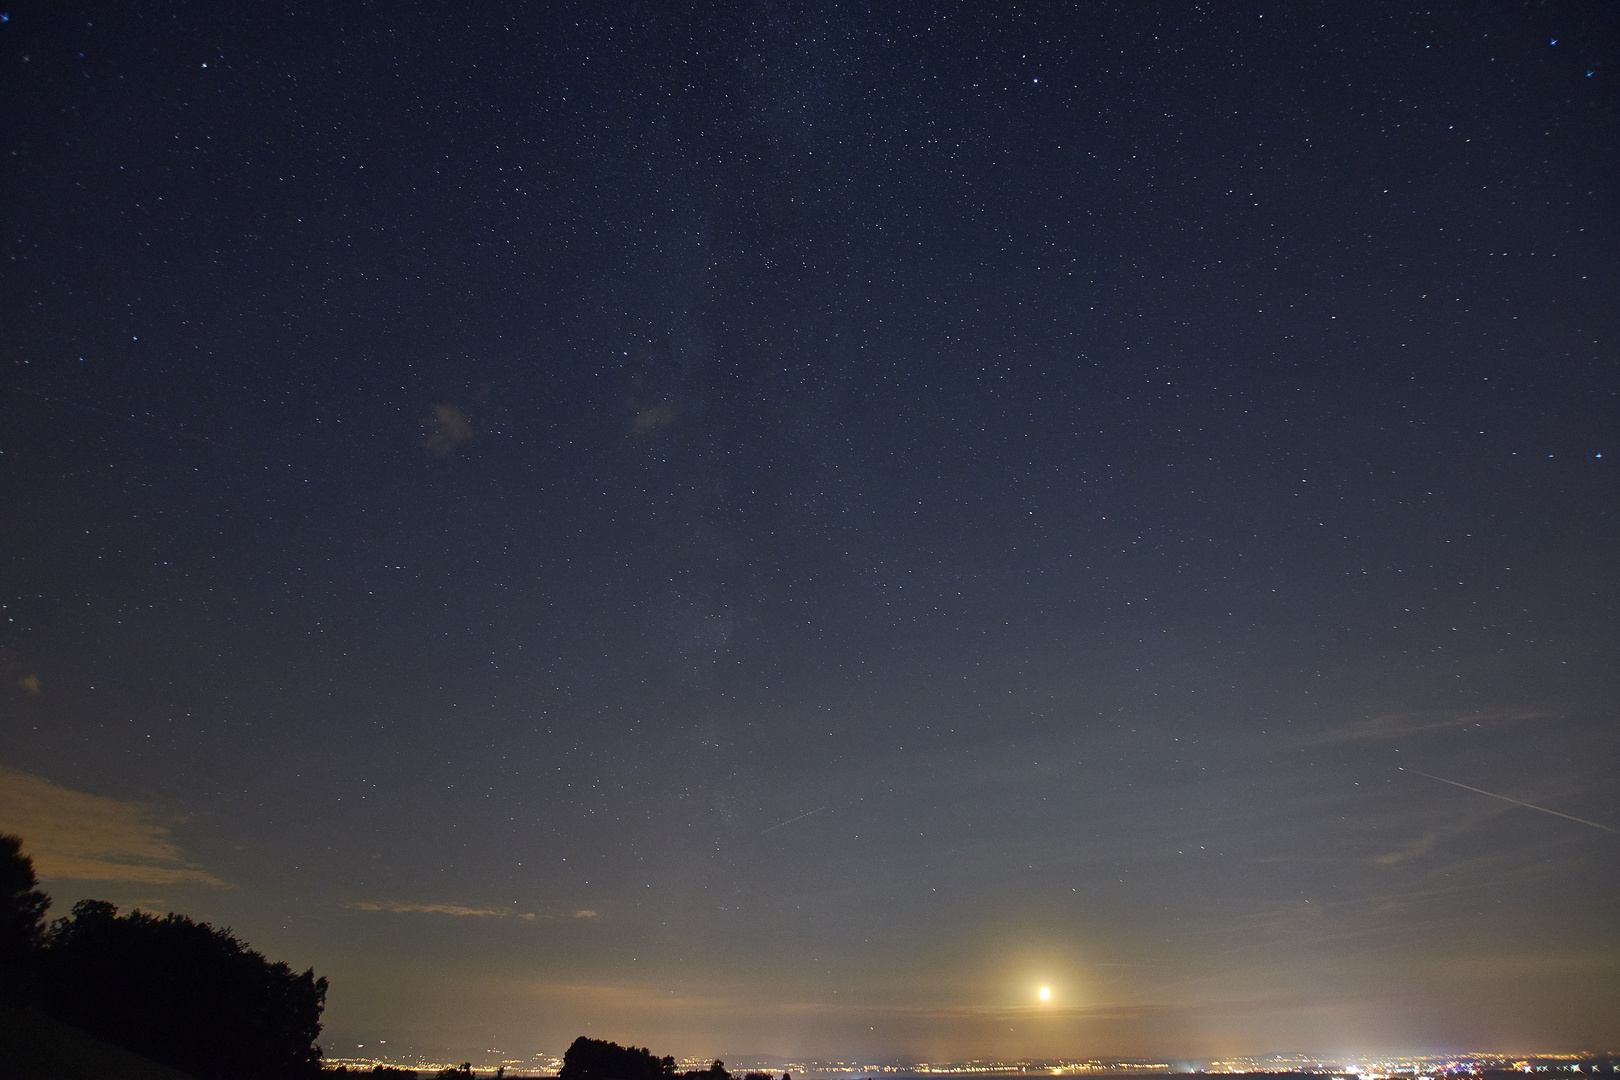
{"x":597,"y":1059}
{"x":181,"y":993}
{"x":22,"y":907}
{"x":22,"y":921}
{"x":715,"y":1071}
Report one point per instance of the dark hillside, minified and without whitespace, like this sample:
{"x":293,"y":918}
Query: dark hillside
{"x":35,"y":1047}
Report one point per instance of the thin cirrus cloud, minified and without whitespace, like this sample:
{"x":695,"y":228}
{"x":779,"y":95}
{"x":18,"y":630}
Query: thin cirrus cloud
{"x":1421,"y":846}
{"x":1403,"y":725}
{"x":406,"y":907}
{"x":73,"y":835}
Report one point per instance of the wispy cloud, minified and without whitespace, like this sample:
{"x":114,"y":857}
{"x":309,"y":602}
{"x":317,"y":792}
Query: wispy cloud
{"x":624,"y":998}
{"x":1495,"y":966}
{"x":1421,"y":846}
{"x":73,"y":835}
{"x":448,"y":427}
{"x":649,"y":418}
{"x":437,"y":909}
{"x":1401,"y":725}
{"x":406,"y":907}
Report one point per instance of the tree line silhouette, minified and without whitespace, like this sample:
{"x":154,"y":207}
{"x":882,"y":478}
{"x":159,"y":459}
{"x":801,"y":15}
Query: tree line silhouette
{"x":597,"y":1059}
{"x":593,"y":1059}
{"x":180,"y":992}
{"x":198,"y":999}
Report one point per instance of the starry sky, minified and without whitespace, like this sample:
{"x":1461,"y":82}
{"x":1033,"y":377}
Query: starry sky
{"x":781,"y":528}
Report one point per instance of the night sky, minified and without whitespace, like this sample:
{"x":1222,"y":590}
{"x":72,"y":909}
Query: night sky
{"x":783,"y":528}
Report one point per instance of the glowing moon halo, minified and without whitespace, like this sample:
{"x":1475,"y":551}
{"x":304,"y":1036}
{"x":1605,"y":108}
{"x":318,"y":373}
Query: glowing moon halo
{"x":1046,"y":993}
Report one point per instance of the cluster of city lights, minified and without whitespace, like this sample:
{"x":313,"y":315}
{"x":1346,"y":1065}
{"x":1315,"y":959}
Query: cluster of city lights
{"x":1449,"y":1067}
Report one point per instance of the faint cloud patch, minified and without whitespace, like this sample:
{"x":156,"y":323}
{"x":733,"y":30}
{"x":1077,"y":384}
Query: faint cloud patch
{"x":406,"y":907}
{"x":1529,"y":965}
{"x":436,"y":909}
{"x":29,"y":683}
{"x":447,"y":428}
{"x":1401,"y":725}
{"x":1421,"y":846}
{"x":73,"y":835}
{"x":646,"y":419}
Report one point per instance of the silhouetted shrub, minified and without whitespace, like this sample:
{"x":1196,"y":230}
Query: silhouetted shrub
{"x":22,"y":907}
{"x":182,"y":993}
{"x":597,"y":1059}
{"x":22,"y":918}
{"x":715,"y":1071}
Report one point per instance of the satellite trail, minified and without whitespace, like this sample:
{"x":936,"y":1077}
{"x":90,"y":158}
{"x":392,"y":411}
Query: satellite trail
{"x":1516,"y":802}
{"x":791,"y":820}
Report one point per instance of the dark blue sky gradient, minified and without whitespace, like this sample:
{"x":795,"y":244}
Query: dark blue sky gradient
{"x":881,"y":511}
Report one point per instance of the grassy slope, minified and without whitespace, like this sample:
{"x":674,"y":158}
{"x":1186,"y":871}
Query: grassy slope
{"x":35,"y":1047}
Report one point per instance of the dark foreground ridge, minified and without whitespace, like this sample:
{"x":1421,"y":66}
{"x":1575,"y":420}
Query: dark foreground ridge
{"x":33,"y":1046}
{"x":180,"y":993}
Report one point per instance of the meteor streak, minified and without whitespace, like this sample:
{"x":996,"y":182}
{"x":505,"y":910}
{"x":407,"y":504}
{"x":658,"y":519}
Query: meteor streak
{"x":1516,"y":802}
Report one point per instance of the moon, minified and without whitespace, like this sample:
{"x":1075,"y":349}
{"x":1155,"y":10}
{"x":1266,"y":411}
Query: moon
{"x":1046,"y":993}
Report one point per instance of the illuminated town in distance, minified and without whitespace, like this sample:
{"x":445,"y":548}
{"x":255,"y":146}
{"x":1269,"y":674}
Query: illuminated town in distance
{"x":1358,"y":1068}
